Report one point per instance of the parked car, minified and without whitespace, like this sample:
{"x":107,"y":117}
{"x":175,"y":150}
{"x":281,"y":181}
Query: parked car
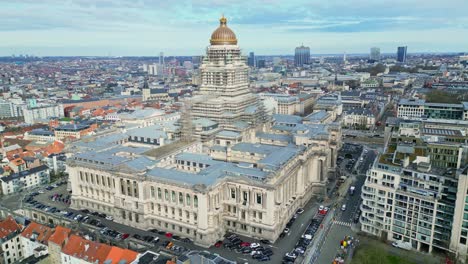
{"x":136,"y":236}
{"x":218,"y":244}
{"x":265,"y":241}
{"x":300,"y":211}
{"x":254,"y":245}
{"x":110,"y":218}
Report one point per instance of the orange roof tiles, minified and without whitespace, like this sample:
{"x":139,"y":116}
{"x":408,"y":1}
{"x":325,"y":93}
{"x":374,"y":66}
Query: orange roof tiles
{"x":60,"y":235}
{"x":116,"y":255}
{"x":18,"y":161}
{"x":40,"y":232}
{"x":8,"y":226}
{"x":90,"y":251}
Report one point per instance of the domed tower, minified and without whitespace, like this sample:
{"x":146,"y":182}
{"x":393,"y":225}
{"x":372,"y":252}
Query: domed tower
{"x":224,"y":95}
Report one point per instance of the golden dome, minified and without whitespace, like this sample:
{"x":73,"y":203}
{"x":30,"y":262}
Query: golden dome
{"x":223,"y":35}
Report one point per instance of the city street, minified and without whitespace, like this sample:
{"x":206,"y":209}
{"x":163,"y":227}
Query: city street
{"x":344,"y":220}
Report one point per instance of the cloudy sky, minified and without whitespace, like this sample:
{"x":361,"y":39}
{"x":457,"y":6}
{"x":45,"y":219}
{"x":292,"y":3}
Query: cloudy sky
{"x":183,"y":27}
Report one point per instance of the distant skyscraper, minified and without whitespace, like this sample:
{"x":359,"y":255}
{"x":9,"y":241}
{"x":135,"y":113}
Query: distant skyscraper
{"x":251,"y":60}
{"x":261,"y":64}
{"x":302,"y":56}
{"x":161,"y":58}
{"x":401,"y":54}
{"x":375,"y":54}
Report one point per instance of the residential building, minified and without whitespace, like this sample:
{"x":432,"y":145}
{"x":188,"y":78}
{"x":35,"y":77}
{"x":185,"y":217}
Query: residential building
{"x":10,"y":244}
{"x":9,"y":109}
{"x":25,"y":179}
{"x":40,"y":135}
{"x":301,"y":56}
{"x":285,"y":104}
{"x":74,"y":131}
{"x":410,"y":193}
{"x":34,"y":240}
{"x":56,"y":242}
{"x":42,"y":113}
{"x":401,"y":54}
{"x":359,"y":118}
{"x":82,"y":251}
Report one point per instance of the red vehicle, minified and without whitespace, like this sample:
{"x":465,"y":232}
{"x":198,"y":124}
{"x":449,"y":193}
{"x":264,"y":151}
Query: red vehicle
{"x":218,"y":244}
{"x":245,"y":244}
{"x":168,"y":235}
{"x":125,"y":236}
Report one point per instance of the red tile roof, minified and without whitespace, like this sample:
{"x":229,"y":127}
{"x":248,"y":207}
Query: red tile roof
{"x":90,"y":251}
{"x":60,"y":235}
{"x":8,"y":226}
{"x":117,"y":254}
{"x":38,"y":232}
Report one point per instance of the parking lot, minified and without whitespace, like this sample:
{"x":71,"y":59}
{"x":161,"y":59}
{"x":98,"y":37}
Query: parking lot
{"x":100,"y":227}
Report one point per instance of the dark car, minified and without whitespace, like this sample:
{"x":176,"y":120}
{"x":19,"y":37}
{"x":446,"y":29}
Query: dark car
{"x":264,"y":258}
{"x":246,"y":250}
{"x":265,"y":241}
{"x":86,"y":211}
{"x":154,"y":231}
{"x":136,"y":236}
{"x":187,"y":240}
{"x":148,"y":238}
{"x":176,"y":237}
{"x":161,"y":232}
{"x":257,"y":256}
{"x":268,"y":252}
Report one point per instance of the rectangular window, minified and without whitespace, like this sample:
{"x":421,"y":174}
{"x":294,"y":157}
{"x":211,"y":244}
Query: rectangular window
{"x":233,"y":193}
{"x":259,"y":198}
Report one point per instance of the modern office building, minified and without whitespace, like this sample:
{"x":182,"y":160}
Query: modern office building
{"x":301,"y":56}
{"x":261,"y":63}
{"x":374,"y":54}
{"x":161,"y":58}
{"x":419,"y":108}
{"x":249,"y":182}
{"x":251,"y":60}
{"x":410,"y":193}
{"x":401,"y":54}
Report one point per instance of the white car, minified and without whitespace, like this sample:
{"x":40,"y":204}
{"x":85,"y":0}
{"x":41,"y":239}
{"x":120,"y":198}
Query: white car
{"x":300,"y":211}
{"x":110,"y":218}
{"x":286,"y":231}
{"x":254,"y":245}
{"x":321,"y":208}
{"x":78,"y":217}
{"x":291,"y":255}
{"x":343,"y":207}
{"x":63,"y":212}
{"x":40,"y":191}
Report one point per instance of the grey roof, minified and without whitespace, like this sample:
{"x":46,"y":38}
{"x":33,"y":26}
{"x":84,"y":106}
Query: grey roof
{"x":359,"y":111}
{"x":275,"y":137}
{"x":281,"y":156}
{"x":287,"y":119}
{"x":255,"y":148}
{"x":228,"y":134}
{"x":72,"y":127}
{"x":41,"y":132}
{"x":153,"y":131}
{"x":317,"y":116}
{"x":204,"y":122}
{"x":195,"y":157}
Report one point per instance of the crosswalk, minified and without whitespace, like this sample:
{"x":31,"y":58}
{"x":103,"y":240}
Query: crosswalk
{"x":342,"y":223}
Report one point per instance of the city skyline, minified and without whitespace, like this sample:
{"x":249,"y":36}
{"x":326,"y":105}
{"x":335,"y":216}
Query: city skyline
{"x":144,"y":28}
